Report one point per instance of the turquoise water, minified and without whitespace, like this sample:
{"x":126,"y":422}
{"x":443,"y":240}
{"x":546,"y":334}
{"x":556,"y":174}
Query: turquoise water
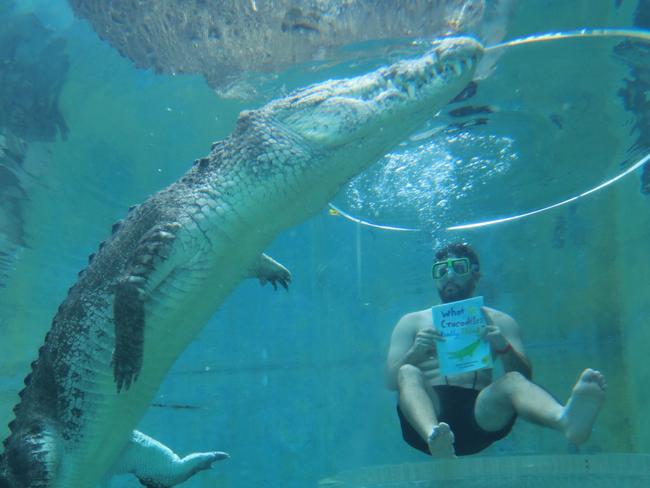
{"x":290,"y":384}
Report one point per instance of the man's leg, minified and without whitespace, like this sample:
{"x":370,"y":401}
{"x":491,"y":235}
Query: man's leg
{"x":513,"y":393}
{"x":418,"y":403}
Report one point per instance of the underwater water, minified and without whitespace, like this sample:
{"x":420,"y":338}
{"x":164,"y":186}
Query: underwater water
{"x":290,"y":384}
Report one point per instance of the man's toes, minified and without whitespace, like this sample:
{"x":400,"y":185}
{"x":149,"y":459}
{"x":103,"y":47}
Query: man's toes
{"x":441,"y":441}
{"x":594,"y":376}
{"x":445,"y":431}
{"x":589,"y":375}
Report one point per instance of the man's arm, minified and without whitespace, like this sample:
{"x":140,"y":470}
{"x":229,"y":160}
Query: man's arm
{"x":509,"y":347}
{"x":409,"y":344}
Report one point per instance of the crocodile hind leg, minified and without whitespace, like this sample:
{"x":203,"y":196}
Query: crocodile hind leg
{"x":157,"y":466}
{"x":31,"y":457}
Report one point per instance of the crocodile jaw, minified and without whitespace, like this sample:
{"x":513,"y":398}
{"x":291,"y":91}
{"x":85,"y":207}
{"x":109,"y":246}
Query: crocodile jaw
{"x":339,"y":128}
{"x":336,"y":113}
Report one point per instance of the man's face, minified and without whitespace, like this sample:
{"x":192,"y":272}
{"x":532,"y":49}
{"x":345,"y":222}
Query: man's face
{"x":455,"y":280}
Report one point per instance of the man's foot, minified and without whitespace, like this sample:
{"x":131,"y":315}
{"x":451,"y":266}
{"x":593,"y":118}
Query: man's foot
{"x":579,"y":414}
{"x":441,"y":441}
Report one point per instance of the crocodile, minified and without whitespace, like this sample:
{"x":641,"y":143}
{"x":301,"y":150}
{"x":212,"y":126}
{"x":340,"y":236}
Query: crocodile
{"x":175,"y":258}
{"x":466,"y":351}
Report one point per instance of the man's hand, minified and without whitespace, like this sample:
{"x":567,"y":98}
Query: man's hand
{"x":492,"y":333}
{"x":424,"y":345}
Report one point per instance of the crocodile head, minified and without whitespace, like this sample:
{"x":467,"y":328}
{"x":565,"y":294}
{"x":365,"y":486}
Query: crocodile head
{"x":327,"y":133}
{"x":386,"y":103}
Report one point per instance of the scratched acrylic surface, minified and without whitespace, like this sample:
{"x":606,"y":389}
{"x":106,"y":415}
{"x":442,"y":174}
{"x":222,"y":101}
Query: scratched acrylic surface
{"x":291,"y":383}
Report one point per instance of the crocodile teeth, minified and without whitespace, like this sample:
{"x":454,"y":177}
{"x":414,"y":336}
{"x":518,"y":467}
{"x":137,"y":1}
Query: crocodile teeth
{"x":410,"y":89}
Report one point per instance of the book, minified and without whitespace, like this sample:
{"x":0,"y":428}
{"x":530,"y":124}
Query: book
{"x":460,"y":324}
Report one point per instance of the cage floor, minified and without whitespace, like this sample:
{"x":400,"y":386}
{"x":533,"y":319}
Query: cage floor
{"x":560,"y":471}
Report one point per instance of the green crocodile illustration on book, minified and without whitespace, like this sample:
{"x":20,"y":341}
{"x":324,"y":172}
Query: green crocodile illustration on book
{"x":466,"y":351}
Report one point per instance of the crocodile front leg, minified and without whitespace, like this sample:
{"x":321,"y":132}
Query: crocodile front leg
{"x":267,"y":269}
{"x":145,"y":270}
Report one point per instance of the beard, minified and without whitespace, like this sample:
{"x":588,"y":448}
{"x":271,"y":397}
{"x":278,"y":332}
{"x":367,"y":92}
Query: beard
{"x":453,"y":292}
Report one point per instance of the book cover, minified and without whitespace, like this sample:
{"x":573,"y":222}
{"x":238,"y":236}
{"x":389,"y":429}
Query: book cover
{"x":463,"y":349}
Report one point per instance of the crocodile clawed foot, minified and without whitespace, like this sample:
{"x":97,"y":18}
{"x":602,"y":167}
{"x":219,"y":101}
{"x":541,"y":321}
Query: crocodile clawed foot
{"x":207,"y":459}
{"x":284,"y":280}
{"x":268,"y":270}
{"x":125,"y":373}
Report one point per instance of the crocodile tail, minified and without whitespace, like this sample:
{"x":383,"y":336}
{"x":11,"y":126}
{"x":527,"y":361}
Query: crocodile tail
{"x":4,"y":482}
{"x":3,"y":479}
{"x":31,"y":457}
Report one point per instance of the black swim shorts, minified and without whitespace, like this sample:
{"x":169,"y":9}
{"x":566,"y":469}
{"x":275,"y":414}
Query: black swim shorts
{"x":457,"y":410}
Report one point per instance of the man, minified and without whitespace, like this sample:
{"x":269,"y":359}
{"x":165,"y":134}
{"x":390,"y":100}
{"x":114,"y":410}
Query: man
{"x":465,"y":413}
